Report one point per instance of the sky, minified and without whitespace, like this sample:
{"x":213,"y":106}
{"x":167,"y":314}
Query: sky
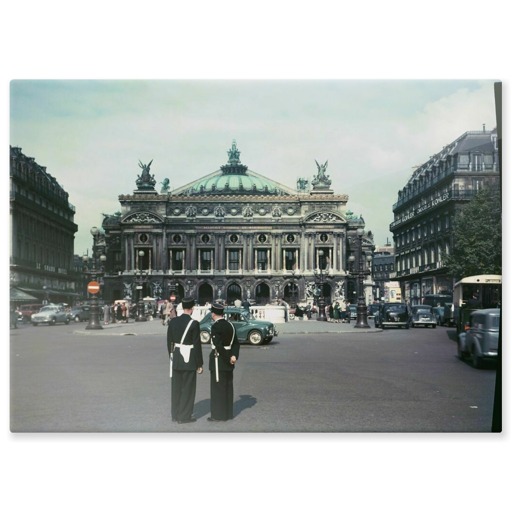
{"x":91,"y":134}
{"x":441,"y":58}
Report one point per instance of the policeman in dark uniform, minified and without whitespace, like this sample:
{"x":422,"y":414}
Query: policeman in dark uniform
{"x":184,"y":347}
{"x":224,"y":354}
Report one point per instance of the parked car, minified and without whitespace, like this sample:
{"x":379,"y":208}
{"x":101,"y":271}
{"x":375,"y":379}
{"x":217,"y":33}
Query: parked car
{"x":394,"y":314}
{"x":423,"y":316}
{"x":80,"y":313}
{"x":480,"y":340}
{"x":247,"y":328}
{"x":50,"y":315}
{"x":27,"y":310}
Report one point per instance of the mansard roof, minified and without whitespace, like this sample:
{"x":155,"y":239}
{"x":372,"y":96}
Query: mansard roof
{"x":468,"y":142}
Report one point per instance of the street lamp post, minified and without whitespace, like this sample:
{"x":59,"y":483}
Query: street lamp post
{"x":93,"y":274}
{"x":359,"y":274}
{"x":319,"y":282}
{"x":140,"y":279}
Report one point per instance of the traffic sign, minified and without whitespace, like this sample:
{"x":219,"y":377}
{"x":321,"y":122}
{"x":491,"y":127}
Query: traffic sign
{"x":93,"y":287}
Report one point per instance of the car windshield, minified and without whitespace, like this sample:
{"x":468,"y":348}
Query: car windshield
{"x":47,"y":308}
{"x":237,"y":316}
{"x":422,"y":310}
{"x":397,"y":308}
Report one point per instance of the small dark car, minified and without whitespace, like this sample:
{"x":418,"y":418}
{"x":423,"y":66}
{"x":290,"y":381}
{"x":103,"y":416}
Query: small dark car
{"x":394,"y":314}
{"x":423,"y":316}
{"x":80,"y":313}
{"x":256,"y":332}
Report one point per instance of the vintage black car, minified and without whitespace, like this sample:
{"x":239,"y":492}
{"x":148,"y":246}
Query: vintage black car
{"x":394,"y":314}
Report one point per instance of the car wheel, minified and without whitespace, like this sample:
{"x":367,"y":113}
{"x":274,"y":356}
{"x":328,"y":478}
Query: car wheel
{"x":434,"y":326}
{"x":66,"y":321}
{"x":77,"y":318}
{"x":52,"y":321}
{"x":255,"y":338}
{"x":477,"y":361}
{"x":205,"y":337}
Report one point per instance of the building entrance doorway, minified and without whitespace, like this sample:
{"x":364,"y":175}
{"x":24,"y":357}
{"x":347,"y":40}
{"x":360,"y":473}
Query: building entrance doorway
{"x":262,"y":294}
{"x":234,"y":293}
{"x":205,"y":294}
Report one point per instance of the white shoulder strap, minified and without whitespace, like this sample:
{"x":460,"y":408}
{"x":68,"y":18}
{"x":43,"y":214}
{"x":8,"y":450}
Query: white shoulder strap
{"x":232,"y":337}
{"x":228,"y":347}
{"x":186,"y":330}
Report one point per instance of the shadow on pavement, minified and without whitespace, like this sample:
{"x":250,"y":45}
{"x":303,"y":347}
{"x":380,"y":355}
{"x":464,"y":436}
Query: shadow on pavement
{"x":244,"y":402}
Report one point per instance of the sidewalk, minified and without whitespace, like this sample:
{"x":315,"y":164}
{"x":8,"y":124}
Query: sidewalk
{"x":155,"y":327}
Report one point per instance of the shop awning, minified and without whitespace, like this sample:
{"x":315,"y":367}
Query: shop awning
{"x":17,"y":295}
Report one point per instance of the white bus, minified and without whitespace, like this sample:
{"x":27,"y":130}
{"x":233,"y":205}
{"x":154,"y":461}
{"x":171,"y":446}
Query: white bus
{"x":475,"y":292}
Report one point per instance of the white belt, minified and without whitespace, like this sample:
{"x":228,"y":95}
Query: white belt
{"x":184,"y":351}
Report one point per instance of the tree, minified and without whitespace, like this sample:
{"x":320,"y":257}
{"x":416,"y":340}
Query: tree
{"x":477,"y":236}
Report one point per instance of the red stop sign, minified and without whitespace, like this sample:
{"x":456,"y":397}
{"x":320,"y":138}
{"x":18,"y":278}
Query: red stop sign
{"x":93,"y":287}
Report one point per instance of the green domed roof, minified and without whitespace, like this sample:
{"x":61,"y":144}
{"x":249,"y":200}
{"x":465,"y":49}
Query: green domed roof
{"x":234,"y":179}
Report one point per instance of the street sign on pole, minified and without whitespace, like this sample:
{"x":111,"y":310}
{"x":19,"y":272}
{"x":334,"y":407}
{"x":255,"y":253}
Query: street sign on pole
{"x":93,"y":287}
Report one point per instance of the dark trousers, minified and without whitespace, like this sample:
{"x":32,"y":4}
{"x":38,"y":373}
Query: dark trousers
{"x":221,"y":396}
{"x":183,"y":394}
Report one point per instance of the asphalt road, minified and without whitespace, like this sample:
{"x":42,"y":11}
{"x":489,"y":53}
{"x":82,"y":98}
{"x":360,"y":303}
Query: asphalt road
{"x":314,"y":377}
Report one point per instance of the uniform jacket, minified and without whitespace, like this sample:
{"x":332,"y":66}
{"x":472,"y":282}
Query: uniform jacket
{"x":222,"y":332}
{"x":175,"y":332}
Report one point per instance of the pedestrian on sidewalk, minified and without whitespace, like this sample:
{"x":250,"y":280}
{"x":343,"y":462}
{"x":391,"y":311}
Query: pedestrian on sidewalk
{"x":186,"y":362}
{"x":171,"y":311}
{"x":106,"y":314}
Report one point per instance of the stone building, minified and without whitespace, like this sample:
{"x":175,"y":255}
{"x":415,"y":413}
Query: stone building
{"x":233,"y":234}
{"x":383,"y":266}
{"x":42,"y":233}
{"x":426,"y":208}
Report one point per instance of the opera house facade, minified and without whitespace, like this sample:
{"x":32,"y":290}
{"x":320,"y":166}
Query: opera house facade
{"x":233,"y":234}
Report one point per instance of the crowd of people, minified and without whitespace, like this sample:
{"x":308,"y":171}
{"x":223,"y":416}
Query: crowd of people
{"x":338,"y":312}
